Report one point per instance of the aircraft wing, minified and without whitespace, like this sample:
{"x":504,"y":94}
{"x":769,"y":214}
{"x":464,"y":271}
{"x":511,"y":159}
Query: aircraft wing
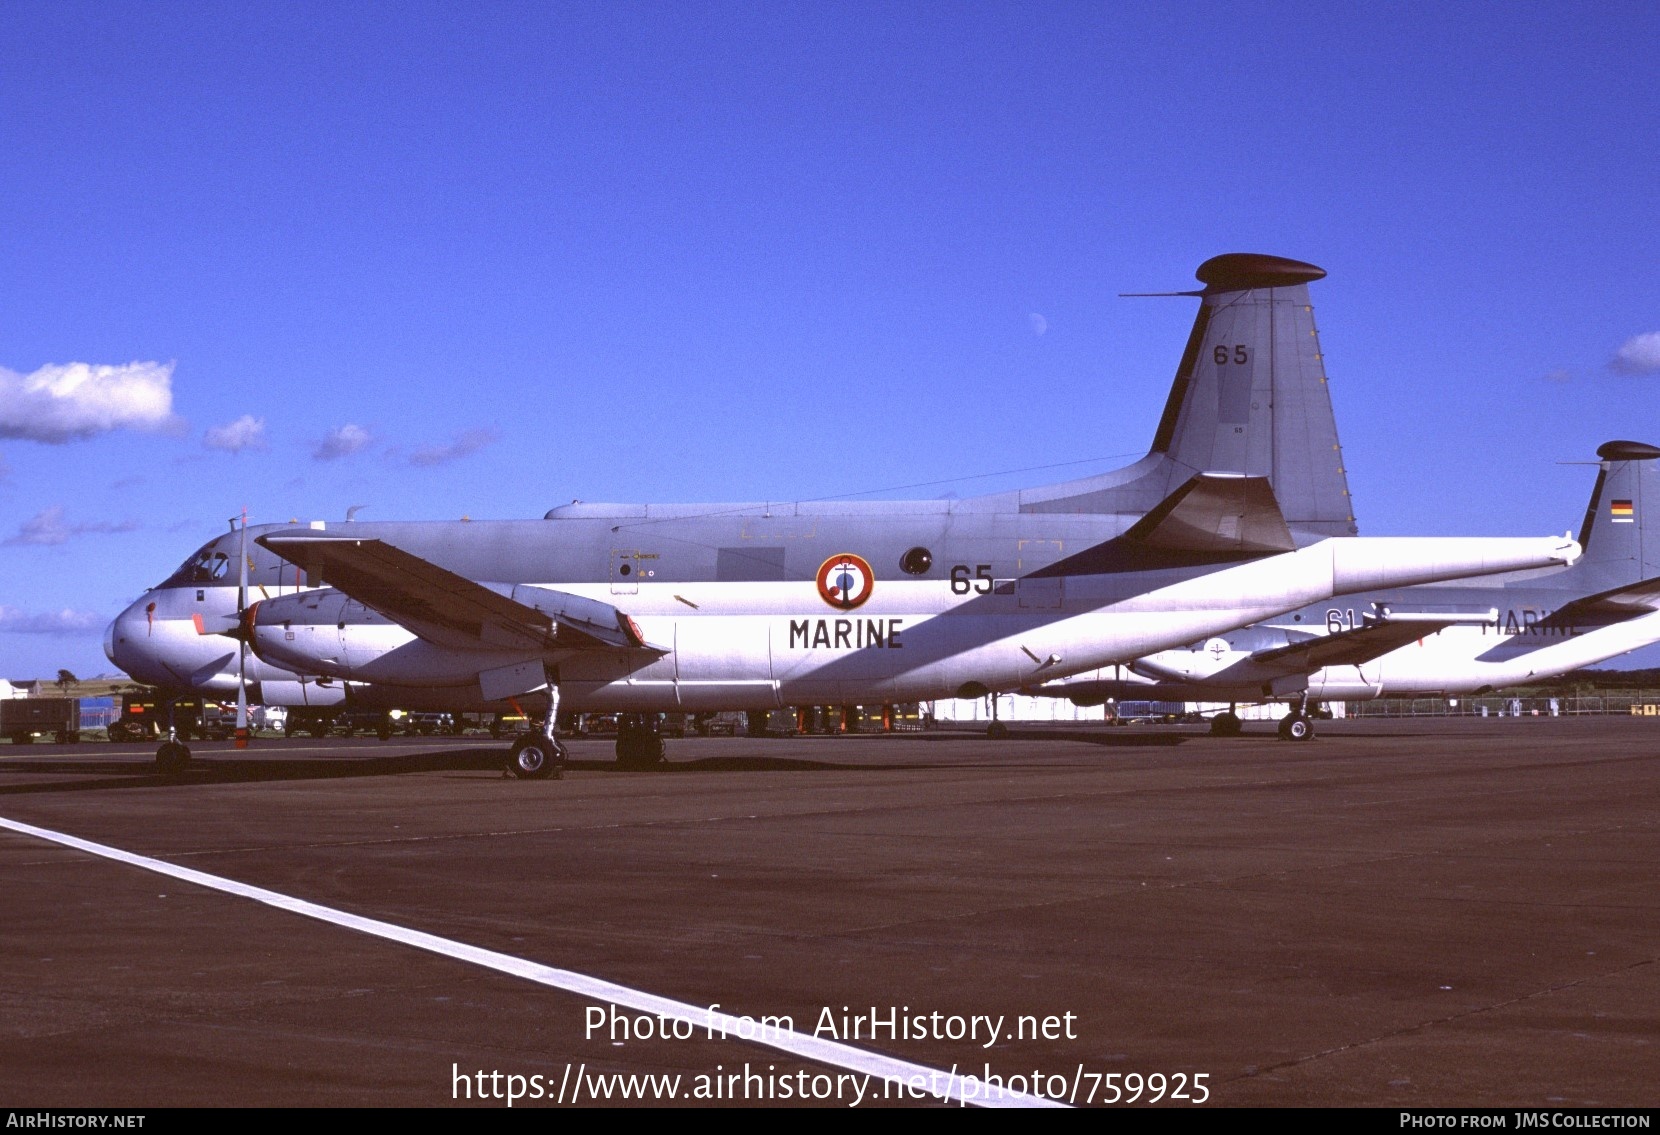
{"x":1362,"y":643}
{"x":452,"y":610}
{"x":1613,"y":606}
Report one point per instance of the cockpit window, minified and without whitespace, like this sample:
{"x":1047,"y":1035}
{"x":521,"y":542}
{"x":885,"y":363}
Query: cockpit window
{"x":214,"y":564}
{"x":206,"y":566}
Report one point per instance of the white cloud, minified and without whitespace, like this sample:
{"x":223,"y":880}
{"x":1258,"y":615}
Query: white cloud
{"x":247,"y":432}
{"x":47,"y":528}
{"x":1639,"y":355}
{"x":56,"y":403}
{"x":1560,"y":374}
{"x":465,"y":444}
{"x":346,"y":440}
{"x":64,"y":622}
{"x":1039,"y":324}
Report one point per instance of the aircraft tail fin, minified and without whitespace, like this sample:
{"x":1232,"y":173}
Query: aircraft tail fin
{"x":1250,"y":399}
{"x":1621,"y":541}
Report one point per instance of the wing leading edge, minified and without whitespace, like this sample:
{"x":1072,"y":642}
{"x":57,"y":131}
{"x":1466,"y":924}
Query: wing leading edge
{"x":451,"y":610}
{"x":1360,"y":645}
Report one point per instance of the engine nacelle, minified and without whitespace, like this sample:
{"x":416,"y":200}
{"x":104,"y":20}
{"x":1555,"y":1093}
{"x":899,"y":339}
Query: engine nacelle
{"x":325,"y":632}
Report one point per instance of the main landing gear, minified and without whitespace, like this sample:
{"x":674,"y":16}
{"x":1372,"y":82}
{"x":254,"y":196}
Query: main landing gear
{"x":640,"y":741}
{"x":1295,"y":727}
{"x":1298,"y":725}
{"x":538,"y":756}
{"x":1226,"y":724}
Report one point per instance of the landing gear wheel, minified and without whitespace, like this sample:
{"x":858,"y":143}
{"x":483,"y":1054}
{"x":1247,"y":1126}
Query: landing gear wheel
{"x":534,"y":757}
{"x":997,"y":731}
{"x":1225,"y":725}
{"x":643,"y":750}
{"x":1296,"y":727}
{"x":640,"y":741}
{"x":172,"y":757}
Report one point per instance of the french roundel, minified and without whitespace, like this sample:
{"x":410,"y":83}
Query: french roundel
{"x":845,"y":581}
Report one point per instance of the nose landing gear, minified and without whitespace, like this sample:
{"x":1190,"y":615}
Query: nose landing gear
{"x":173,"y":756}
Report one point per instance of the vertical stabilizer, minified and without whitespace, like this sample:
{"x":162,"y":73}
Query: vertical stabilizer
{"x":1251,"y":396}
{"x":1621,"y":545}
{"x":1250,"y":399}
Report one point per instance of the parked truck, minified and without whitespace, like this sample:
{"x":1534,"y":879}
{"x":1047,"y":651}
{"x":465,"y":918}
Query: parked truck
{"x":144,"y":718}
{"x":22,"y":718}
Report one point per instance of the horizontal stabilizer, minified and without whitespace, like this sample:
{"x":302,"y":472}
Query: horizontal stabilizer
{"x":1216,"y":513}
{"x":1612,"y":606}
{"x":452,"y":610}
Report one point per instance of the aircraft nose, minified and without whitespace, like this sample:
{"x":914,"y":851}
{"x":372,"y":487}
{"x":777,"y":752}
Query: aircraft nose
{"x":127,"y":641}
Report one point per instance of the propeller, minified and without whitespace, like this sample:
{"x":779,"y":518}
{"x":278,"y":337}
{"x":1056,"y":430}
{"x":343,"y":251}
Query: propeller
{"x":242,"y":640}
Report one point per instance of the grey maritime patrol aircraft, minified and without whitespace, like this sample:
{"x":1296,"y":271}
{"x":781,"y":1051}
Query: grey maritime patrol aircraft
{"x":1464,"y":637}
{"x":1239,"y":511}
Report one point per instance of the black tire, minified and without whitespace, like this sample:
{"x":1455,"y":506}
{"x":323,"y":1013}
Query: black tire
{"x":534,"y":757}
{"x":1296,"y":727}
{"x":172,"y":757}
{"x":997,"y":731}
{"x":384,"y":731}
{"x":640,"y":750}
{"x":1225,"y":725}
{"x":319,"y":730}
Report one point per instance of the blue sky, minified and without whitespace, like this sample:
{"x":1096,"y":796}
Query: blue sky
{"x":446,"y":260}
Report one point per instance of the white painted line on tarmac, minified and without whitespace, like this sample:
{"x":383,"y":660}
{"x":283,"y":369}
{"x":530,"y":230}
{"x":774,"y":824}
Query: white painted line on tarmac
{"x":952,"y":1086}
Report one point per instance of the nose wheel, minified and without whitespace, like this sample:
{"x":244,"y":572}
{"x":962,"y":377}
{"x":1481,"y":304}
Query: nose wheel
{"x":172,"y":757}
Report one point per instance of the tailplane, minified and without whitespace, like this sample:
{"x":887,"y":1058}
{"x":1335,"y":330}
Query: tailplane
{"x":1621,"y":546}
{"x":1250,"y":399}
